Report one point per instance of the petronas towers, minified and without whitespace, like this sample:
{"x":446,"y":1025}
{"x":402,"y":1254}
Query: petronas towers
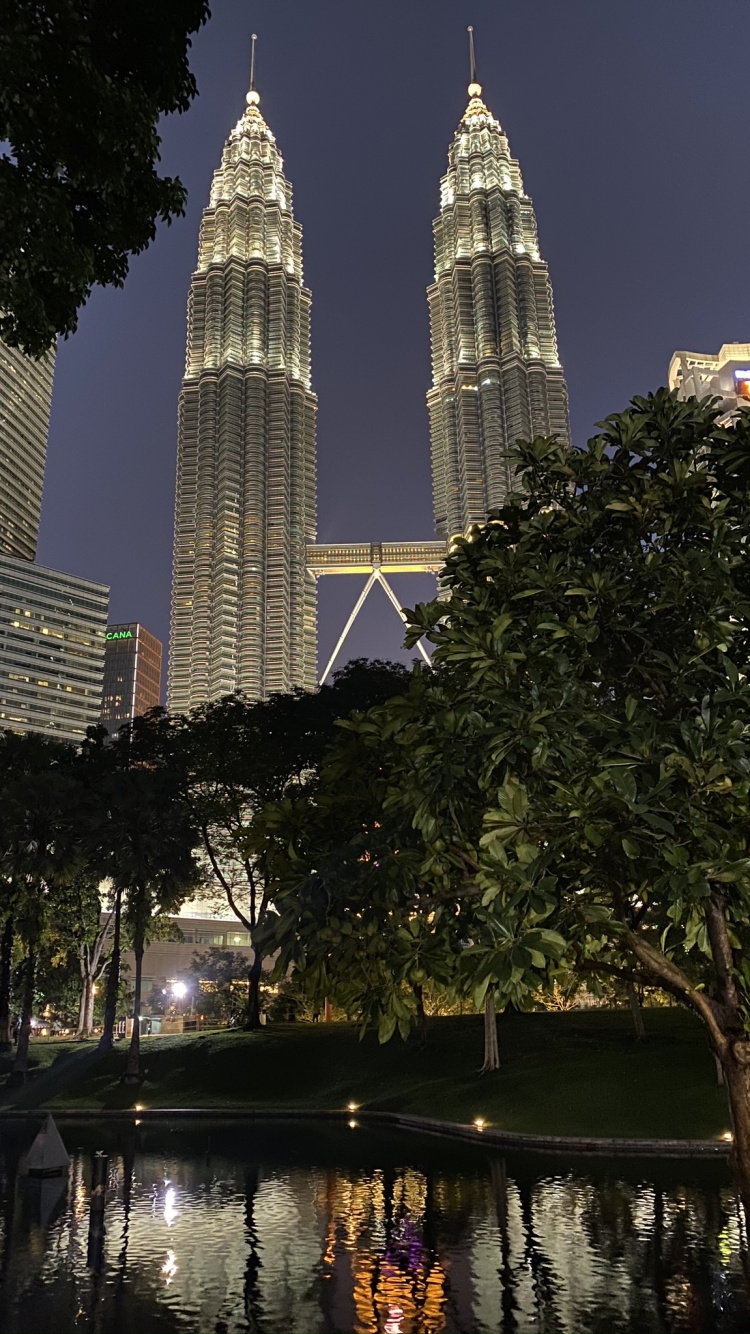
{"x":243,"y":596}
{"x":243,"y":603}
{"x":496,"y":375}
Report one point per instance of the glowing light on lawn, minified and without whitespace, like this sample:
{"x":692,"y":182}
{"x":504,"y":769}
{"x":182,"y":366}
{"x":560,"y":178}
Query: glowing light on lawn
{"x":728,"y":1136}
{"x":139,"y":1107}
{"x":352,"y":1106}
{"x":479,"y":1122}
{"x":179,"y":990}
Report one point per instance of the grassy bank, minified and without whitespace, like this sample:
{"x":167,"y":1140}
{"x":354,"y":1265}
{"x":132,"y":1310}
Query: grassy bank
{"x":580,"y":1073}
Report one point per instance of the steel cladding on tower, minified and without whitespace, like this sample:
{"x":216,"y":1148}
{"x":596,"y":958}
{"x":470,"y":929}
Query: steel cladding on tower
{"x":496,"y":375}
{"x":243,"y":602}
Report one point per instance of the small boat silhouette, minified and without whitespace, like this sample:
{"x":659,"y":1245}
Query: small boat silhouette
{"x":47,"y":1156}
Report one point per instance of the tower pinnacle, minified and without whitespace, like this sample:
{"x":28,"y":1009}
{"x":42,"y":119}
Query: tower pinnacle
{"x":253,"y":98}
{"x":475,"y":89}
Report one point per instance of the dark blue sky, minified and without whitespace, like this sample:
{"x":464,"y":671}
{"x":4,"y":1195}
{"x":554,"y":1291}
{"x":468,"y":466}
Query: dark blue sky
{"x":631,"y":121}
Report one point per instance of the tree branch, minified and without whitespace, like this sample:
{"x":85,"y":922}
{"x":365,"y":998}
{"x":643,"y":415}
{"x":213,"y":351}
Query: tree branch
{"x":660,"y":966}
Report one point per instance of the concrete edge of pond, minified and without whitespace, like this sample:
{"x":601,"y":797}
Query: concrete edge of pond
{"x":557,"y":1144}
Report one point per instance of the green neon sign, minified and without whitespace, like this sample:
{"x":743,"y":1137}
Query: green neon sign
{"x":119,"y":634}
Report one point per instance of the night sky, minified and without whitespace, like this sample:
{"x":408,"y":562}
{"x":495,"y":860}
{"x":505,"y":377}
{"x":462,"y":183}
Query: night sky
{"x":631,"y":121}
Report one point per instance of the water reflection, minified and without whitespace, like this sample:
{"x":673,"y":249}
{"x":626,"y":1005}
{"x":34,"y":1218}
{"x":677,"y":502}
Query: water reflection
{"x":251,"y":1228}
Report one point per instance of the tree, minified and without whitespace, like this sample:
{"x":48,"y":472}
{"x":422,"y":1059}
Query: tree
{"x":596,"y":642}
{"x":225,"y":972}
{"x":237,"y":755}
{"x":38,"y":855}
{"x":82,"y":86}
{"x":147,"y":840}
{"x":356,"y":911}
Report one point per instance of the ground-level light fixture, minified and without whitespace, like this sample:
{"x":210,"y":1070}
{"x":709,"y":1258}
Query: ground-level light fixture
{"x":728,"y":1136}
{"x":479,"y":1122}
{"x":139,"y":1107}
{"x":352,"y":1107}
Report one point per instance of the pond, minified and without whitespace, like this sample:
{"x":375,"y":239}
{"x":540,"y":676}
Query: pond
{"x":298,"y":1227}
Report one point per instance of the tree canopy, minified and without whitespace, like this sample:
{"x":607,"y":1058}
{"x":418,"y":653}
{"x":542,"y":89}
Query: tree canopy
{"x":82,"y":86}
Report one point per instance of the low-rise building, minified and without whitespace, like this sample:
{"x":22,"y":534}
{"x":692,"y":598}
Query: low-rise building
{"x":169,"y":961}
{"x":725,"y":374}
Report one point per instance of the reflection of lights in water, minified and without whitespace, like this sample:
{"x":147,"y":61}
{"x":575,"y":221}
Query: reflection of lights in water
{"x":393,"y":1323}
{"x":169,"y":1268}
{"x":353,"y":1125}
{"x":170,"y":1212}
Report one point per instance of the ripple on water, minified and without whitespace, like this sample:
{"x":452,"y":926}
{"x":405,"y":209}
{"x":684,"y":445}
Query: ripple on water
{"x":237,"y":1232}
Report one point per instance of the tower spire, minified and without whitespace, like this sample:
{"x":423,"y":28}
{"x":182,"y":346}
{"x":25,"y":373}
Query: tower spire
{"x":472,"y":61}
{"x":475,"y":89}
{"x":253,"y":98}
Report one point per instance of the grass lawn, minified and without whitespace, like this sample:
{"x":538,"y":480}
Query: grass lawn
{"x":580,"y":1073}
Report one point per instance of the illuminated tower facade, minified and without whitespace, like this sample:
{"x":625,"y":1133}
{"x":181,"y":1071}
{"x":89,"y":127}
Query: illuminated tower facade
{"x":243,"y":602}
{"x":25,"y":398}
{"x":496,"y":374}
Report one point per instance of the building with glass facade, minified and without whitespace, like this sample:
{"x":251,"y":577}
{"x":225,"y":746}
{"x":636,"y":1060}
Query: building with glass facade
{"x":132,"y":674}
{"x":52,"y":637}
{"x":496,"y":374}
{"x":243,"y":601}
{"x":25,"y":397}
{"x":724,"y":375}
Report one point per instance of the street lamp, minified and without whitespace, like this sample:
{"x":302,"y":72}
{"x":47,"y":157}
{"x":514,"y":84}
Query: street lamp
{"x":179,"y":990}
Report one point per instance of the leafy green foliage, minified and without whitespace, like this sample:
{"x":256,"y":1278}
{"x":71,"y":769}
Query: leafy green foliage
{"x":82,"y":86}
{"x":595,"y":645}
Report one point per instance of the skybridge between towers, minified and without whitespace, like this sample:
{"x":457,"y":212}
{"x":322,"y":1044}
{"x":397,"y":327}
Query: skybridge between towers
{"x":375,"y":560}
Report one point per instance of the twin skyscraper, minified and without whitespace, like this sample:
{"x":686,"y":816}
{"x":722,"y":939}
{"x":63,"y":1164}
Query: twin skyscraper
{"x":245,"y":560}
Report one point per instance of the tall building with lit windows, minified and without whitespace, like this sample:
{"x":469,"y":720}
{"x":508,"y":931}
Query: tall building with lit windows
{"x":52,"y":637}
{"x":25,"y":398}
{"x":496,"y":374}
{"x":132,"y":674}
{"x":243,"y":602}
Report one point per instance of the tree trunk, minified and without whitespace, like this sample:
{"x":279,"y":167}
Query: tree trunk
{"x":21,"y":1063}
{"x":737,"y":1080}
{"x":107,"y":1038}
{"x":81,"y":1009}
{"x":491,"y":1049}
{"x":89,"y":1020}
{"x":6,"y":960}
{"x":133,"y":1068}
{"x":421,"y":1016}
{"x":636,"y":1011}
{"x":253,"y":992}
{"x":87,"y":992}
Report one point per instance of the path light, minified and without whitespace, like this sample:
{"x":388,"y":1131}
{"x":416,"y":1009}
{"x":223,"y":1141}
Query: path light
{"x":479,"y":1122}
{"x":352,"y":1106}
{"x":139,"y":1107}
{"x":728,"y":1136}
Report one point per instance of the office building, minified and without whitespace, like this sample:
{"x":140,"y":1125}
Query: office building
{"x":52,"y":629}
{"x":132,"y":674}
{"x":243,"y":601}
{"x":496,"y":374}
{"x":725,"y":376}
{"x":25,"y":397}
